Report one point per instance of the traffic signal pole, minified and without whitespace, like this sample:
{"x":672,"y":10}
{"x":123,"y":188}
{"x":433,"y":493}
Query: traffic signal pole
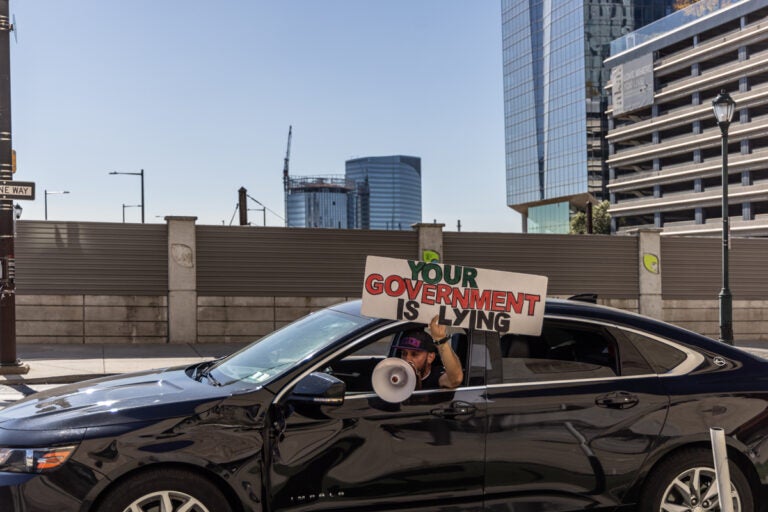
{"x":9,"y":363}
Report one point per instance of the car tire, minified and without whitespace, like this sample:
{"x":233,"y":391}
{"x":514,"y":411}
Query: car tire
{"x":145,"y":491}
{"x":663,"y":485}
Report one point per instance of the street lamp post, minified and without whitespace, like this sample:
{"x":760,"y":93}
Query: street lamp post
{"x":128,"y":206}
{"x":50,"y":193}
{"x":142,"y":188}
{"x":723,"y":107}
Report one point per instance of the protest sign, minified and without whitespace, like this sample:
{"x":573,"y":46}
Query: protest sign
{"x":460,"y":296}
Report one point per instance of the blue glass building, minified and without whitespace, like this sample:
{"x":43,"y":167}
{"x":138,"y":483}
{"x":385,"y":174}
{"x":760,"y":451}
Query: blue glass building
{"x":387,"y":192}
{"x":554,"y":101}
{"x":318,"y":202}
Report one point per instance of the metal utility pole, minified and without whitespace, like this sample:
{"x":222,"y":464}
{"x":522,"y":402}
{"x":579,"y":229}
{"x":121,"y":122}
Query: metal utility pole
{"x":242,"y":206}
{"x":8,"y":361}
{"x":263,"y":209}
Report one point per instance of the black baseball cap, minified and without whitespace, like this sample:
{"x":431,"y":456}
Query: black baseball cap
{"x":416,"y":341}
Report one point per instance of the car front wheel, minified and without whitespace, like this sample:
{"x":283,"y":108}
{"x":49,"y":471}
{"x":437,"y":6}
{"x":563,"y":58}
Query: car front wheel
{"x":164,"y":490}
{"x":686,"y":481}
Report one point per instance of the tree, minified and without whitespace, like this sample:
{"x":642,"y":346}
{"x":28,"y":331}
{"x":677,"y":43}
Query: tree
{"x":601,"y":221}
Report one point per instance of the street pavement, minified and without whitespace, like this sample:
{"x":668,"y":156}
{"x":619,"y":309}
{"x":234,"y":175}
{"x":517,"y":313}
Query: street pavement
{"x":52,"y":365}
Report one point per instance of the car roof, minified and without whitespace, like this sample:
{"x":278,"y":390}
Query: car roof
{"x":580,"y":310}
{"x":554,"y":306}
{"x":586,"y":310}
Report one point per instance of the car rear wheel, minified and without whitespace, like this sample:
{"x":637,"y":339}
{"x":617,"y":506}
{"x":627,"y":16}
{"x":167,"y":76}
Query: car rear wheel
{"x":165,"y":490}
{"x":686,"y":481}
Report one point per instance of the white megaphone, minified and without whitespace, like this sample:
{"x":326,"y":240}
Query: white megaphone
{"x":393,"y":380}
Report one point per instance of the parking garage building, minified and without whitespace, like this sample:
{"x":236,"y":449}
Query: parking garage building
{"x":665,"y":158}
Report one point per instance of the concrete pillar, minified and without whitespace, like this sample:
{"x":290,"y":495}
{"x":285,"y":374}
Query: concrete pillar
{"x":182,"y":280}
{"x":649,"y":301}
{"x":430,"y":242}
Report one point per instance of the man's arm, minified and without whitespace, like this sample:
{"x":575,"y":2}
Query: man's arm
{"x":453,"y":375}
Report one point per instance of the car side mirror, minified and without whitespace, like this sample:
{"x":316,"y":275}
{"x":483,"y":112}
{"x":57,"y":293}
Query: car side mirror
{"x":319,"y":388}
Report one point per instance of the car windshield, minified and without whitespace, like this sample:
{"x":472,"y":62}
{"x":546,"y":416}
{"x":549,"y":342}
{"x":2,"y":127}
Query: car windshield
{"x":282,"y":349}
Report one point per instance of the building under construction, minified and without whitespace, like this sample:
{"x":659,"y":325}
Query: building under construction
{"x":321,"y":202}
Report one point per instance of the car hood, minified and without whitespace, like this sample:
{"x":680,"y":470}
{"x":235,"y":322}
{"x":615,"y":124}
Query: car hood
{"x":134,"y":397}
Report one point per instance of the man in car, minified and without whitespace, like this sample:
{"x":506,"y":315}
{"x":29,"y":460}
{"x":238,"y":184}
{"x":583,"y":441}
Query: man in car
{"x":419,"y":349}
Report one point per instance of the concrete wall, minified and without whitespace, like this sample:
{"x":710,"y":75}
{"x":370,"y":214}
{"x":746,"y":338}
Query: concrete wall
{"x":228,"y":319}
{"x":144,"y":319}
{"x":91,"y":319}
{"x":750,"y":317}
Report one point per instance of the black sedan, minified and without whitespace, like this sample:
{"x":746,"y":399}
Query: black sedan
{"x":605,"y":410}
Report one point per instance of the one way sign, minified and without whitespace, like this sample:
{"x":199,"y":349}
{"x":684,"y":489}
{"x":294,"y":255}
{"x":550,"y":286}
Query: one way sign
{"x":17,"y":190}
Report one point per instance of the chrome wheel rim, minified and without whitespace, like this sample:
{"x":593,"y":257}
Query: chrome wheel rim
{"x":695,"y":490}
{"x":166,"y":501}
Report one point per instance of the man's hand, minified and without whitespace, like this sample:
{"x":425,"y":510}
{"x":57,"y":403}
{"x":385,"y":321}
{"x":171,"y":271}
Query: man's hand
{"x":436,"y":330}
{"x":453,"y":375}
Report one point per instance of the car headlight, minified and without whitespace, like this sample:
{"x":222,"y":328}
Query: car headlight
{"x":34,"y":460}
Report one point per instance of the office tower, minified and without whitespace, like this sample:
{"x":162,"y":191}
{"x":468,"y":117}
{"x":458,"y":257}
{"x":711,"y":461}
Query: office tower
{"x":387,"y":192}
{"x":555,"y":102}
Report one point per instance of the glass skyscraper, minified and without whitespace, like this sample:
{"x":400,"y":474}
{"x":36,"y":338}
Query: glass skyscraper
{"x":387,"y":192}
{"x":554,"y":101}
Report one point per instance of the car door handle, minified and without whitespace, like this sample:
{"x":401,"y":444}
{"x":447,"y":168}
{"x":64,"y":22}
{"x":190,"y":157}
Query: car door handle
{"x":617,"y":400}
{"x":454,"y":410}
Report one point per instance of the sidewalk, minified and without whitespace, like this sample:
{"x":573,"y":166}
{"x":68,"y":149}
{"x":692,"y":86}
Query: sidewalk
{"x":64,"y":363}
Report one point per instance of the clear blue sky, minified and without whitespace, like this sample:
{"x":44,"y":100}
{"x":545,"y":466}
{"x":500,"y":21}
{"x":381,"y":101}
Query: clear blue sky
{"x":200,"y":95}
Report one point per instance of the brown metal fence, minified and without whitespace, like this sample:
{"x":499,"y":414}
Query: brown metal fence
{"x":574,"y":264}
{"x":132,"y":259}
{"x":292,"y":262}
{"x":692,"y":268}
{"x":91,"y":258}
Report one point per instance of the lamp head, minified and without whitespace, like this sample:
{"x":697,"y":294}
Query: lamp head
{"x":723,"y":107}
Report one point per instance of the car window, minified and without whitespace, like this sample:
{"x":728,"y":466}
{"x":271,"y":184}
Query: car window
{"x":355,"y":368}
{"x":459,"y":340}
{"x":563,"y":351}
{"x":277,"y":352}
{"x":661,"y":356}
{"x":631,"y":361}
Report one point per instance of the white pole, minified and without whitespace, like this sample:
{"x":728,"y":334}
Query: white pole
{"x":722,"y":473}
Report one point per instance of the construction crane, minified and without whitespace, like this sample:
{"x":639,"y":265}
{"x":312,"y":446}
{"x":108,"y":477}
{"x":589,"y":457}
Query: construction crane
{"x":285,"y":172}
{"x":287,"y":158}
